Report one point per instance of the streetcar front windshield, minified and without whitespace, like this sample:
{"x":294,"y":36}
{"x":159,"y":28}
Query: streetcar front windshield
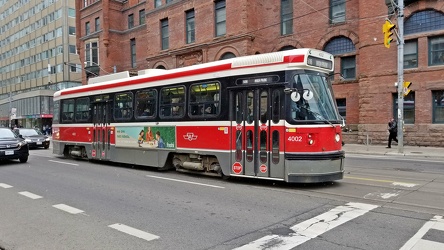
{"x":311,"y":98}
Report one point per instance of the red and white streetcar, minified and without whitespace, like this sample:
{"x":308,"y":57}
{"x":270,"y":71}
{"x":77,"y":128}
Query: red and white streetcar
{"x":267,"y":116}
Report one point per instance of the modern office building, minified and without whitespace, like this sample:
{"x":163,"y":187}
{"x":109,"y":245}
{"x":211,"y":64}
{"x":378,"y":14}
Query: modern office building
{"x":135,"y":35}
{"x":38,"y":56}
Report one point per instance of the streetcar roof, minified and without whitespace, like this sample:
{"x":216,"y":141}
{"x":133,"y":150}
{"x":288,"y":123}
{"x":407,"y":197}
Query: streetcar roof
{"x":233,"y":66}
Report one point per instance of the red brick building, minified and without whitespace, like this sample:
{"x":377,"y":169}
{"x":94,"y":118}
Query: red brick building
{"x":133,"y":35}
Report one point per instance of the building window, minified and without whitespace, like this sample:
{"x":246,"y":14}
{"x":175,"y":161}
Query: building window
{"x":97,"y":24}
{"x":87,"y":28}
{"x":342,"y":104}
{"x":411,"y":54}
{"x":164,"y":33}
{"x":157,"y":3}
{"x":343,"y":45}
{"x":130,"y":21}
{"x":287,"y":47}
{"x":337,"y":11}
{"x":71,"y":12}
{"x":75,"y":68}
{"x":409,"y":107}
{"x":168,"y":1}
{"x":133,"y":52}
{"x":220,"y":18}
{"x":438,"y":106}
{"x":72,"y":30}
{"x":141,"y":17}
{"x":91,"y":54}
{"x":348,"y":67}
{"x":190,"y":26}
{"x":436,"y":51}
{"x":72,"y":49}
{"x":286,"y":17}
{"x":423,"y":21}
{"x":227,"y":55}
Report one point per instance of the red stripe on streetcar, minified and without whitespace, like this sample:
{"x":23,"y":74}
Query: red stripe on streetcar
{"x":294,"y":58}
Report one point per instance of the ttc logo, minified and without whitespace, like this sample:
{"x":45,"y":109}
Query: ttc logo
{"x":190,"y":137}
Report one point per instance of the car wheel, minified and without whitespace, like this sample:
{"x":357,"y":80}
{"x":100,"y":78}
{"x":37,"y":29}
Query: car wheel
{"x":46,"y":147}
{"x":23,"y":159}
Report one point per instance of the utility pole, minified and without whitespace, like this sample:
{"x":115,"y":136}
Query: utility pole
{"x":401,"y":90}
{"x":10,"y":109}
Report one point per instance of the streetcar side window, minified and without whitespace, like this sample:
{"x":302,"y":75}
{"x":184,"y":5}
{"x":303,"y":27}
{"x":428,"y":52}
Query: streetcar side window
{"x":82,"y":109}
{"x":204,"y":99}
{"x":123,"y":106}
{"x":276,"y":106}
{"x":68,"y":110}
{"x":172,"y":102}
{"x":55,"y":117}
{"x":146,"y":103}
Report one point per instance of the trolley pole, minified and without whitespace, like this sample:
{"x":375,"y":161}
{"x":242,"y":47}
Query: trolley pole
{"x":400,"y":76}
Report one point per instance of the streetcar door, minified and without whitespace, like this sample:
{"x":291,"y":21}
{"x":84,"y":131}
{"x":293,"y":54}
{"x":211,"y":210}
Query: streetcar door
{"x":101,"y":134}
{"x":251,"y":126}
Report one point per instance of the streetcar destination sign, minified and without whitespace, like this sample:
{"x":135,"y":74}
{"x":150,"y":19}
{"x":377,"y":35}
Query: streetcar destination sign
{"x":319,"y":62}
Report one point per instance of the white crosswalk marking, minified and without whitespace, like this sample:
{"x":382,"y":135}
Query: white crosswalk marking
{"x":69,"y":209}
{"x":311,"y":228}
{"x":417,"y":242}
{"x":134,"y":232}
{"x":4,"y":185}
{"x":30,"y":195}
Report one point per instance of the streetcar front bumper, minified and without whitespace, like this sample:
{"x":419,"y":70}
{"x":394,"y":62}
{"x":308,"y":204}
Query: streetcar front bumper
{"x":314,"y":167}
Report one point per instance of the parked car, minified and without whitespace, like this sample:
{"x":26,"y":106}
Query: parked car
{"x":33,"y":137}
{"x":12,"y":146}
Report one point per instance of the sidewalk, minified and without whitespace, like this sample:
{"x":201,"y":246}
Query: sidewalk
{"x":411,"y":151}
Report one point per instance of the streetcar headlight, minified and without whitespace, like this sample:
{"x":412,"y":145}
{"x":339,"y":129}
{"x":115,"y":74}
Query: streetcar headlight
{"x":337,"y":137}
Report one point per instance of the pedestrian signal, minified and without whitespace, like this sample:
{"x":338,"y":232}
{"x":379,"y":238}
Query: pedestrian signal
{"x":406,"y":88}
{"x":387,"y":29}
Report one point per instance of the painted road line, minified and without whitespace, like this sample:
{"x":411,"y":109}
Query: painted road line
{"x":30,"y":195}
{"x":395,"y":183}
{"x":134,"y":232}
{"x":69,"y":209}
{"x":382,"y":195}
{"x":4,"y":185}
{"x":62,"y":162}
{"x":189,"y":182}
{"x":311,"y":228}
{"x":417,"y":242}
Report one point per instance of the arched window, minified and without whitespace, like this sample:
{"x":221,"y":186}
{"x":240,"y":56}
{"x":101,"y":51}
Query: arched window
{"x":160,"y":67}
{"x":227,"y":55}
{"x":288,"y":47}
{"x":343,"y":45}
{"x":340,"y":45}
{"x":423,"y":21}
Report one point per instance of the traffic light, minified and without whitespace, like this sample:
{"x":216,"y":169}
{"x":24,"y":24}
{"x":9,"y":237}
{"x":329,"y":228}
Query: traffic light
{"x":406,"y":88}
{"x":387,"y":29}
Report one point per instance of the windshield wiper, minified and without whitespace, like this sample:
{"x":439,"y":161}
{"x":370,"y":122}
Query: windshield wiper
{"x":316,"y":114}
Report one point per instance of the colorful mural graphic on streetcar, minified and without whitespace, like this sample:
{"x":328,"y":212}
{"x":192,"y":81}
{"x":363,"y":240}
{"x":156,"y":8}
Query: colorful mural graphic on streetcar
{"x":146,"y":137}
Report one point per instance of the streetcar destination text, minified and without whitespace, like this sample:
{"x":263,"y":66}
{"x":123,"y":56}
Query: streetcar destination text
{"x":318,"y":62}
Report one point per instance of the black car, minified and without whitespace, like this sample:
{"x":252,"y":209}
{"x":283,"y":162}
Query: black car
{"x":12,"y":146}
{"x":33,"y":137}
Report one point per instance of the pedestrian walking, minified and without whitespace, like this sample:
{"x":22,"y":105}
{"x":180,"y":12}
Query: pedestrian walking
{"x":393,"y":132}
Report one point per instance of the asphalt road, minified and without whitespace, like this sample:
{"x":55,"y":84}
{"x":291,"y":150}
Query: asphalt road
{"x":56,"y":203}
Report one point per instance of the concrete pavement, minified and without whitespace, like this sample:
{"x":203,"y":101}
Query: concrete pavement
{"x":411,"y":151}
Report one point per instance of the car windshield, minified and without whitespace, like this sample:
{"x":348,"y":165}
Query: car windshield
{"x":29,"y":132}
{"x":6,"y":133}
